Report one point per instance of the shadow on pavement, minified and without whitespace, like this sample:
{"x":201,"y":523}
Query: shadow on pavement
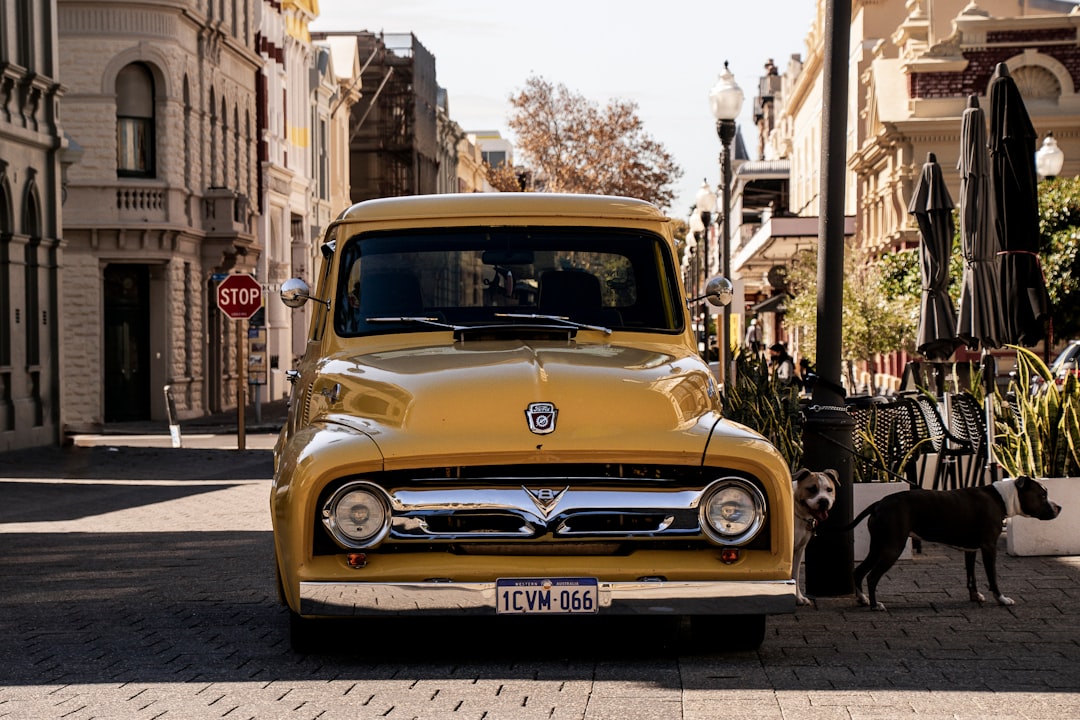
{"x":24,"y":502}
{"x":141,"y":463}
{"x":199,"y":607}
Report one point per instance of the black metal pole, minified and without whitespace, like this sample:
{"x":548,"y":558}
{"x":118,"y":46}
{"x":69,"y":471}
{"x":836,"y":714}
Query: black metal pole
{"x":827,"y":432}
{"x":703,"y":244}
{"x":726,"y":130}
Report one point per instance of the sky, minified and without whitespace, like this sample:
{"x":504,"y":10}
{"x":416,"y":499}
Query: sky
{"x":665,"y":56}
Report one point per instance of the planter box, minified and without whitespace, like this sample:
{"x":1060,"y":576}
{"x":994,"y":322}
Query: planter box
{"x":1060,"y":536}
{"x":862,"y":495}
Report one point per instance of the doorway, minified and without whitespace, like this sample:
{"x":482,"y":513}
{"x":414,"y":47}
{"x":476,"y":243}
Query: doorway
{"x":127,"y":343}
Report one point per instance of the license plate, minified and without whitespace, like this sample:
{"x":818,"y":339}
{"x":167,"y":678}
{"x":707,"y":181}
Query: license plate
{"x":542,"y":596}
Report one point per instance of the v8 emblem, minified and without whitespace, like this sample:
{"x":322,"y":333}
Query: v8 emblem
{"x":545,"y":499}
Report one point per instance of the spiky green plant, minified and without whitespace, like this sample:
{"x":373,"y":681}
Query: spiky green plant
{"x":1041,"y":436}
{"x":759,"y":401}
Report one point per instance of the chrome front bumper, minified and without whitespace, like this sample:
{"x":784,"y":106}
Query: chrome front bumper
{"x":764,"y":597}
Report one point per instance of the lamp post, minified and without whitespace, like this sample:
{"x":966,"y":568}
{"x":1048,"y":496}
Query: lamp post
{"x":1049,"y":158}
{"x":828,"y":426}
{"x":726,"y":100}
{"x":706,"y":206}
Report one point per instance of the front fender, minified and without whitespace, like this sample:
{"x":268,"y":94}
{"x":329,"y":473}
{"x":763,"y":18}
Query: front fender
{"x":739,"y":448}
{"x":312,"y":457}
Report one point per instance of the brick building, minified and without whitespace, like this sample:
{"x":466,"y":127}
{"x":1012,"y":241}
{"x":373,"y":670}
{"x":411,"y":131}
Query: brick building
{"x":911,"y":98}
{"x":913,"y":65}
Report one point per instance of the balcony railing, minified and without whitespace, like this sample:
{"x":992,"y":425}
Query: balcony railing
{"x":140,"y":199}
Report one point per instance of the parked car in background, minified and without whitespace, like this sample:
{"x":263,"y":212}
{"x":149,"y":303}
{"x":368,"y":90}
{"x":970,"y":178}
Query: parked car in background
{"x":502,"y":411}
{"x":1067,"y":362}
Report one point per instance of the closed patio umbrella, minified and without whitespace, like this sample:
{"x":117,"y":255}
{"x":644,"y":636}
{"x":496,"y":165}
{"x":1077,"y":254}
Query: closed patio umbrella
{"x":1026,"y":304}
{"x":978,"y":324}
{"x":932,"y":207}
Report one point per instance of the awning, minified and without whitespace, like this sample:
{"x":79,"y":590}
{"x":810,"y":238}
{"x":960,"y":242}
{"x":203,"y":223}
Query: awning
{"x":775,"y":304}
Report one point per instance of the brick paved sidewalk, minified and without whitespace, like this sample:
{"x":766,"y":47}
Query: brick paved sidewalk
{"x":138,"y":583}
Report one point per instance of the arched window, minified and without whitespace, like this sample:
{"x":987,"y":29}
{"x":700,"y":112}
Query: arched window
{"x":7,"y":227}
{"x":187,"y":133}
{"x":224,"y":144}
{"x":213,"y":138}
{"x":237,"y":157}
{"x":32,"y":230}
{"x":135,"y":122}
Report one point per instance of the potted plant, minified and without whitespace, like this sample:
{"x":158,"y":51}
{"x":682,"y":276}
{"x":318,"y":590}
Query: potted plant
{"x":883,"y":453}
{"x":1039,"y":436}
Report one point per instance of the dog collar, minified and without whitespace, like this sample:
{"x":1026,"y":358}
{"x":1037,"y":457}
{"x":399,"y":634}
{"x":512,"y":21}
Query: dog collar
{"x":811,"y":524}
{"x":1007,"y":489}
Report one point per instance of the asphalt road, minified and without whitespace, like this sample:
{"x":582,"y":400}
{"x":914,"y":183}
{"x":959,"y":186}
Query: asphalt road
{"x":137,"y":582}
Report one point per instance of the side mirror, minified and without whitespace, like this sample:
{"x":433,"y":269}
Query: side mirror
{"x":295,"y":292}
{"x":719,"y":291}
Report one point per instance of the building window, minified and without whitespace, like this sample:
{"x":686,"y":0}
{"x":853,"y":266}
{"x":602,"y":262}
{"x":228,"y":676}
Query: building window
{"x":494,"y":158}
{"x":135,"y":122}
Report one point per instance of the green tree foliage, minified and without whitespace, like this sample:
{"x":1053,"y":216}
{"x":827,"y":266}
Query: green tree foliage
{"x":1059,"y":237}
{"x":573,"y":145}
{"x":880,"y":313}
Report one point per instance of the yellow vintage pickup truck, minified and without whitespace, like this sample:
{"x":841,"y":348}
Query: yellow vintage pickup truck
{"x":502,"y":411}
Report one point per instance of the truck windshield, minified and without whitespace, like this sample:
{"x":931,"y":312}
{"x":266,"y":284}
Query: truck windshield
{"x":622,"y":280}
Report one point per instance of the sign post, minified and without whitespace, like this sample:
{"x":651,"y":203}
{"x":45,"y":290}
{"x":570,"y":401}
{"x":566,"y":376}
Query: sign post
{"x":239,"y":296}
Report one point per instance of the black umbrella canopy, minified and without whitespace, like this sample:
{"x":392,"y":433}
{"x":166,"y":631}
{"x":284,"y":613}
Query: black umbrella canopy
{"x":979,"y":321}
{"x":1026,"y":305}
{"x":932,"y":207}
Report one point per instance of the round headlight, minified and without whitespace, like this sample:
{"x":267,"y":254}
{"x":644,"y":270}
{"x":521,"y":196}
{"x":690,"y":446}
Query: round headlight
{"x":733,"y":511}
{"x":356,"y":515}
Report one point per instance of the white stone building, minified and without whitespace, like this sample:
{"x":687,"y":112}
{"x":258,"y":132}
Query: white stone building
{"x":32,"y":151}
{"x":307,"y":91}
{"x":161,"y":98}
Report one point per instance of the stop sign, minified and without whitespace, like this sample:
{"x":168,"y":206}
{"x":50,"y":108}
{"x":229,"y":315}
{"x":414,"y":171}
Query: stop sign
{"x":239,"y":296}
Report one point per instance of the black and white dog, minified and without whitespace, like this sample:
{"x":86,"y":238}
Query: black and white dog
{"x":969,"y":519}
{"x":814,"y":495}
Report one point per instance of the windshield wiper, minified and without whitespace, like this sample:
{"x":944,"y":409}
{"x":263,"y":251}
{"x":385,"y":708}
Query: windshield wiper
{"x":564,"y":322}
{"x":555,"y":318}
{"x":414,"y":319}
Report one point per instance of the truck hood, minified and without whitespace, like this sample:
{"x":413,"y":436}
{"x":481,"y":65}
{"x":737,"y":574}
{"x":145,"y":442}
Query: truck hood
{"x":553,"y":400}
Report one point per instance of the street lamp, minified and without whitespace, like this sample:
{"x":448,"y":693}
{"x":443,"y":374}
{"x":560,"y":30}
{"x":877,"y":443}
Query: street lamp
{"x":1049,"y":158}
{"x":726,"y":100}
{"x":706,"y":202}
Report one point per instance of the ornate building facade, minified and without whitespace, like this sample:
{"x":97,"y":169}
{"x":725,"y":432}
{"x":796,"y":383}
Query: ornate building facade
{"x":200,"y":138}
{"x":912,"y":67}
{"x":33,"y":154}
{"x":161,"y":205}
{"x":305,"y":93}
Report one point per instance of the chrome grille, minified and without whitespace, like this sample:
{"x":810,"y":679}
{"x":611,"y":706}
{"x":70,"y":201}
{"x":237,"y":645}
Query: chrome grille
{"x":536,"y":511}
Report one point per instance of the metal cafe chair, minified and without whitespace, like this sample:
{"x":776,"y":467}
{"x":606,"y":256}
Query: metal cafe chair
{"x":967,"y":423}
{"x":886,"y":440}
{"x":949,"y":448}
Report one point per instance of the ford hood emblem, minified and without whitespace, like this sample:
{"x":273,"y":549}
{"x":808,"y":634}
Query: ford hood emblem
{"x":541,"y":417}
